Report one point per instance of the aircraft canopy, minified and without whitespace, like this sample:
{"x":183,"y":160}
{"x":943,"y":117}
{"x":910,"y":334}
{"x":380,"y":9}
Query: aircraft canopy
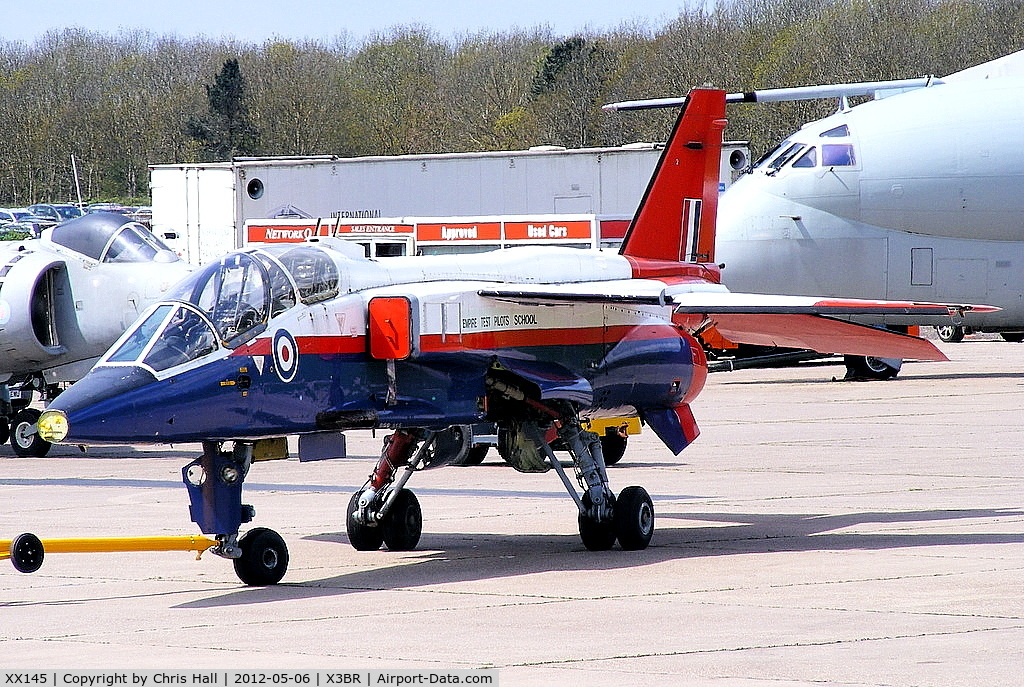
{"x":111,"y":237}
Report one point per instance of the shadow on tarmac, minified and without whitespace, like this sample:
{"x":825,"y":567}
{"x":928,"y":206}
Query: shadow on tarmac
{"x":460,"y":558}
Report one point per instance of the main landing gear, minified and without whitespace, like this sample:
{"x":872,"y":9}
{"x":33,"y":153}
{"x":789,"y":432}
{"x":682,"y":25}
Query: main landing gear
{"x":383,"y":511}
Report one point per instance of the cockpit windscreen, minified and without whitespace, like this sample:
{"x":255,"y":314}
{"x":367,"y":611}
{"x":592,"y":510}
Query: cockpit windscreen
{"x":171,"y":335}
{"x":110,"y":237}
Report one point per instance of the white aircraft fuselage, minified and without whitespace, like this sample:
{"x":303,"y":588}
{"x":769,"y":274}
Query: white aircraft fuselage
{"x":917,"y":196}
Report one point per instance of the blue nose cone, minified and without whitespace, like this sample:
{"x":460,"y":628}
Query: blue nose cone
{"x":102,"y":407}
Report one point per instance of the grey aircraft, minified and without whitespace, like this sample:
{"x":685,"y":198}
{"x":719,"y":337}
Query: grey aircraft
{"x":64,"y":298}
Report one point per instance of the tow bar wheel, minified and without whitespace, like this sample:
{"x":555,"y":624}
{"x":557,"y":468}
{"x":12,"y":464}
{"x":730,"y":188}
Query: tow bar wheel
{"x":27,"y":553}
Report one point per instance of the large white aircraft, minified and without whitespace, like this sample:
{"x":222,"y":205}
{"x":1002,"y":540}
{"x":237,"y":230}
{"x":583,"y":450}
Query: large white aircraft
{"x":919,"y":195}
{"x":915,"y":195}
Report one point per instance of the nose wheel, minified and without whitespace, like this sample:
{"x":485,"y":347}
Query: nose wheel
{"x":632,"y":523}
{"x":264,"y":558}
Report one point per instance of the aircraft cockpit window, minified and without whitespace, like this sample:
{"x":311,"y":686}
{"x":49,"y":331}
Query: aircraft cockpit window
{"x":786,"y":155}
{"x":233,"y":292}
{"x":132,"y":243}
{"x":808,"y":159}
{"x":132,"y":347}
{"x":171,"y":335}
{"x":185,"y":337}
{"x":313,"y":272}
{"x":282,"y":293}
{"x":764,"y":158}
{"x":841,"y":131}
{"x":110,"y":237}
{"x":838,"y":155}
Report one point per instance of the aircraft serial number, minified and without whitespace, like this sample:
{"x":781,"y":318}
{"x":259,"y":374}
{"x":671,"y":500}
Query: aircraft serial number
{"x":272,"y":679}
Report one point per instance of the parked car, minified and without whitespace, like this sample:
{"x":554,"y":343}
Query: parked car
{"x":106,"y":207}
{"x":57,"y":213}
{"x":8,"y":215}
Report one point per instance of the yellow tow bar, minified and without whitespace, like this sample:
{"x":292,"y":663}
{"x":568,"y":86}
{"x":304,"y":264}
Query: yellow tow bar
{"x":26,"y":551}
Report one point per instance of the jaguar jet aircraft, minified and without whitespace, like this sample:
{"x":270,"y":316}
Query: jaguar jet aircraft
{"x":314,"y":338}
{"x":64,"y":299}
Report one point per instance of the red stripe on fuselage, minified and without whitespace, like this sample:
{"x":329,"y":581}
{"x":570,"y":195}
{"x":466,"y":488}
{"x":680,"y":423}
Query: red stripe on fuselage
{"x":480,"y":340}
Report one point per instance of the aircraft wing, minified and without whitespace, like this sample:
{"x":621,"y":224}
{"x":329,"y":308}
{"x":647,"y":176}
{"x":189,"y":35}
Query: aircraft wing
{"x":823,"y":334}
{"x":775,"y":95}
{"x":758,"y":319}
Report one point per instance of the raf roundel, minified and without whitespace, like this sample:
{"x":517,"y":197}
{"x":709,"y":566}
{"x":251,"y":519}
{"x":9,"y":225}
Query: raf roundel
{"x":286,"y":355}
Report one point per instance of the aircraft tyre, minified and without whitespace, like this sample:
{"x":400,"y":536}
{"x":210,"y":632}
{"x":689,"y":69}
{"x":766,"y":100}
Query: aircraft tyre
{"x":634,"y":518}
{"x":950,"y":333}
{"x":264,"y":558}
{"x":868,"y":367}
{"x":27,"y":553}
{"x":1012,"y":337}
{"x":362,"y":537}
{"x":5,"y":429}
{"x":613,"y":446}
{"x":402,"y":525}
{"x":596,"y":536}
{"x":25,"y":441}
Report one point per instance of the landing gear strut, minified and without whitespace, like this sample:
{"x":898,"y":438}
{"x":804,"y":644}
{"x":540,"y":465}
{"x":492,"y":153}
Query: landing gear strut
{"x":602,"y":517}
{"x":214,"y":483}
{"x":383,"y":511}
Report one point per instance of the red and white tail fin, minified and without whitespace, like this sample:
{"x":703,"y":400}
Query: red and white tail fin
{"x":676,"y":218}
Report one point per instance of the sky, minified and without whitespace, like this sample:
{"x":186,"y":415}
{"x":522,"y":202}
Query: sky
{"x":255,"y":21}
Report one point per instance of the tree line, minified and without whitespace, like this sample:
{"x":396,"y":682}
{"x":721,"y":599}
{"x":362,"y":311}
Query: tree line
{"x":119,"y":102}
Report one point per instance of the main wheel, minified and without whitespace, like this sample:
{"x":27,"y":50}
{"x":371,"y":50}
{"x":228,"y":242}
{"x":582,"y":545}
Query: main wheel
{"x":448,"y":447}
{"x":5,"y":430}
{"x":869,"y":367}
{"x":634,"y":518}
{"x":362,"y":537}
{"x":596,"y":536}
{"x":264,"y":558}
{"x":950,"y":333}
{"x":27,"y":553}
{"x":403,"y":524}
{"x":25,"y":440}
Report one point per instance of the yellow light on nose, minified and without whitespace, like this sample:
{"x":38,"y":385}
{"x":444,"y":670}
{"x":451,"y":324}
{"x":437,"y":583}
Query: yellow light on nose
{"x":52,"y":426}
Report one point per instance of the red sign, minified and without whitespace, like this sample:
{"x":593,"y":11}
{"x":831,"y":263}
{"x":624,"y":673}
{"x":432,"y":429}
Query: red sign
{"x":279,"y":233}
{"x":547,"y":231}
{"x":459,"y":231}
{"x":295,"y":233}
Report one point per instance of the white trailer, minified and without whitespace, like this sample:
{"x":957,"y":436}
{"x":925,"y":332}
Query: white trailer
{"x":200,"y":210}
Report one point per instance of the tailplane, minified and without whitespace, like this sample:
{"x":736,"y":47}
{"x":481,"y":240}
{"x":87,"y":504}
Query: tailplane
{"x":676,"y":218}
